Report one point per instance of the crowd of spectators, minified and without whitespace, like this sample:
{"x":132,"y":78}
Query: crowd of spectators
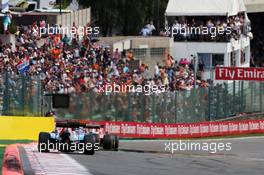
{"x":219,"y":29}
{"x":69,"y":64}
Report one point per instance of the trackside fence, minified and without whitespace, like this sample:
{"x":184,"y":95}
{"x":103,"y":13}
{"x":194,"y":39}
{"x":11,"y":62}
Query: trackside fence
{"x":23,"y":96}
{"x":198,"y":105}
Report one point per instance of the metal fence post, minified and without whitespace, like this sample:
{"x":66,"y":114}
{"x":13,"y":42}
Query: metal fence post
{"x":153,"y":108}
{"x":209,"y":103}
{"x":175,"y":105}
{"x":225,"y":99}
{"x":242,"y":97}
{"x":234,"y":98}
{"x":6,"y":99}
{"x":260,"y":96}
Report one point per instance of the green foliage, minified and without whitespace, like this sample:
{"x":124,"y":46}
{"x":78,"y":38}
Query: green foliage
{"x":127,"y":17}
{"x":64,"y":4}
{"x":13,"y":28}
{"x":2,"y":149}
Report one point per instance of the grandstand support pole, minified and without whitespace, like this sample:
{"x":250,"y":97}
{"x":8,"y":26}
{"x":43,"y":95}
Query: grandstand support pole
{"x":60,"y":1}
{"x":158,"y":15}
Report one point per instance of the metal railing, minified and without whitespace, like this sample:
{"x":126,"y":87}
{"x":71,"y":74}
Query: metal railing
{"x":148,"y":52}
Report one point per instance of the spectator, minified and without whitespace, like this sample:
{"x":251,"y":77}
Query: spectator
{"x":7,"y":21}
{"x":80,"y":66}
{"x":116,"y":56}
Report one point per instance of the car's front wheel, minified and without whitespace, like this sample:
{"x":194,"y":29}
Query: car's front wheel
{"x":43,"y":142}
{"x":89,"y":144}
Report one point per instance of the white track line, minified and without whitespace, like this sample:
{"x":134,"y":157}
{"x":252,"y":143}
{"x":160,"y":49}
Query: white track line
{"x":53,"y":163}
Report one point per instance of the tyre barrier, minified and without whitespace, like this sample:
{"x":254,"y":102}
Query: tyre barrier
{"x":12,"y":164}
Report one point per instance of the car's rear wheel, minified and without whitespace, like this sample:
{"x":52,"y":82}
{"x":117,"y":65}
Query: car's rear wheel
{"x":116,"y":146}
{"x":108,"y":142}
{"x":89,"y":144}
{"x":43,"y":142}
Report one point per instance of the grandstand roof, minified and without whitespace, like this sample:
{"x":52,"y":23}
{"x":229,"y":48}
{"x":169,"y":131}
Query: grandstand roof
{"x":204,"y":7}
{"x":254,"y":6}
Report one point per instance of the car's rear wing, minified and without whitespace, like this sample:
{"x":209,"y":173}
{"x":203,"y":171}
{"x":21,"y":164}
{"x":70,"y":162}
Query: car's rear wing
{"x":69,"y":124}
{"x":72,"y":124}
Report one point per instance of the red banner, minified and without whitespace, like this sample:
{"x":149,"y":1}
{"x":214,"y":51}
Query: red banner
{"x":192,"y":130}
{"x":239,"y":73}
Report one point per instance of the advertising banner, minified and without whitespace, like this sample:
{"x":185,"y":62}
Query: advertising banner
{"x":192,"y":130}
{"x":239,"y":73}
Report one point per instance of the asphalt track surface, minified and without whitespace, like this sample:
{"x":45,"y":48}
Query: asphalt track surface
{"x":245,"y":158}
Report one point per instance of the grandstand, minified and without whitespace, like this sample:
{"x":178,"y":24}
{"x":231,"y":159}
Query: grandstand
{"x":255,"y":9}
{"x":229,"y":48}
{"x":254,"y":6}
{"x":84,"y":65}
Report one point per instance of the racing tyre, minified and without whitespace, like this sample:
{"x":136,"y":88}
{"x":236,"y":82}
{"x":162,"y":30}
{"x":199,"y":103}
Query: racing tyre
{"x":43,"y":142}
{"x":97,"y":138}
{"x":65,"y":146}
{"x":108,"y":142}
{"x":89,"y":139}
{"x":116,"y":145}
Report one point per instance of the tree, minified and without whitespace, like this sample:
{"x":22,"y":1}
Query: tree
{"x":125,"y":17}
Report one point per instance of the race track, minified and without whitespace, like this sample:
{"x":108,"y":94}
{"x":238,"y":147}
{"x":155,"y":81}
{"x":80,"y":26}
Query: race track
{"x":246,"y":157}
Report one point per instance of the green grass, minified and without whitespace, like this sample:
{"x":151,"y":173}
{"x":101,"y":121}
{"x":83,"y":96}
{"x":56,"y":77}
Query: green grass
{"x":1,"y":157}
{"x":4,"y":143}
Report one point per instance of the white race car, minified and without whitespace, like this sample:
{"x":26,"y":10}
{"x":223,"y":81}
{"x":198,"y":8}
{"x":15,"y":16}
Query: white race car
{"x":75,"y":136}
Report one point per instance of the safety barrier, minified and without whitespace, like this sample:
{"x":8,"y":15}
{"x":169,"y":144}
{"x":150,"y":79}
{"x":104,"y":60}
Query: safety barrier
{"x":192,"y":130}
{"x":24,"y":128}
{"x":11,"y":162}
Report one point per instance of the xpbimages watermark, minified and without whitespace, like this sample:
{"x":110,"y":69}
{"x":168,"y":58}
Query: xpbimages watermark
{"x":147,"y":89}
{"x":211,"y":147}
{"x":186,"y":30}
{"x":71,"y":31}
{"x":73,"y":146}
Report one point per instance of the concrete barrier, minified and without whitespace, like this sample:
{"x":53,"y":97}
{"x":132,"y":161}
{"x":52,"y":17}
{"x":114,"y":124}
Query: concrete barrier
{"x":24,"y":128}
{"x":12,"y":162}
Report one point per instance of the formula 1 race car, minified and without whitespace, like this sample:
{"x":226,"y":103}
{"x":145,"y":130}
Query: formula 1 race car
{"x":75,"y":136}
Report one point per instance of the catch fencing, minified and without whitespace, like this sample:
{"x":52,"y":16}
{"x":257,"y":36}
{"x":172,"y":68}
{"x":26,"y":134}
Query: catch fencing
{"x":198,"y":105}
{"x":23,"y":96}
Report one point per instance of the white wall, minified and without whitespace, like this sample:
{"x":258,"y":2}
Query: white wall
{"x":186,"y":49}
